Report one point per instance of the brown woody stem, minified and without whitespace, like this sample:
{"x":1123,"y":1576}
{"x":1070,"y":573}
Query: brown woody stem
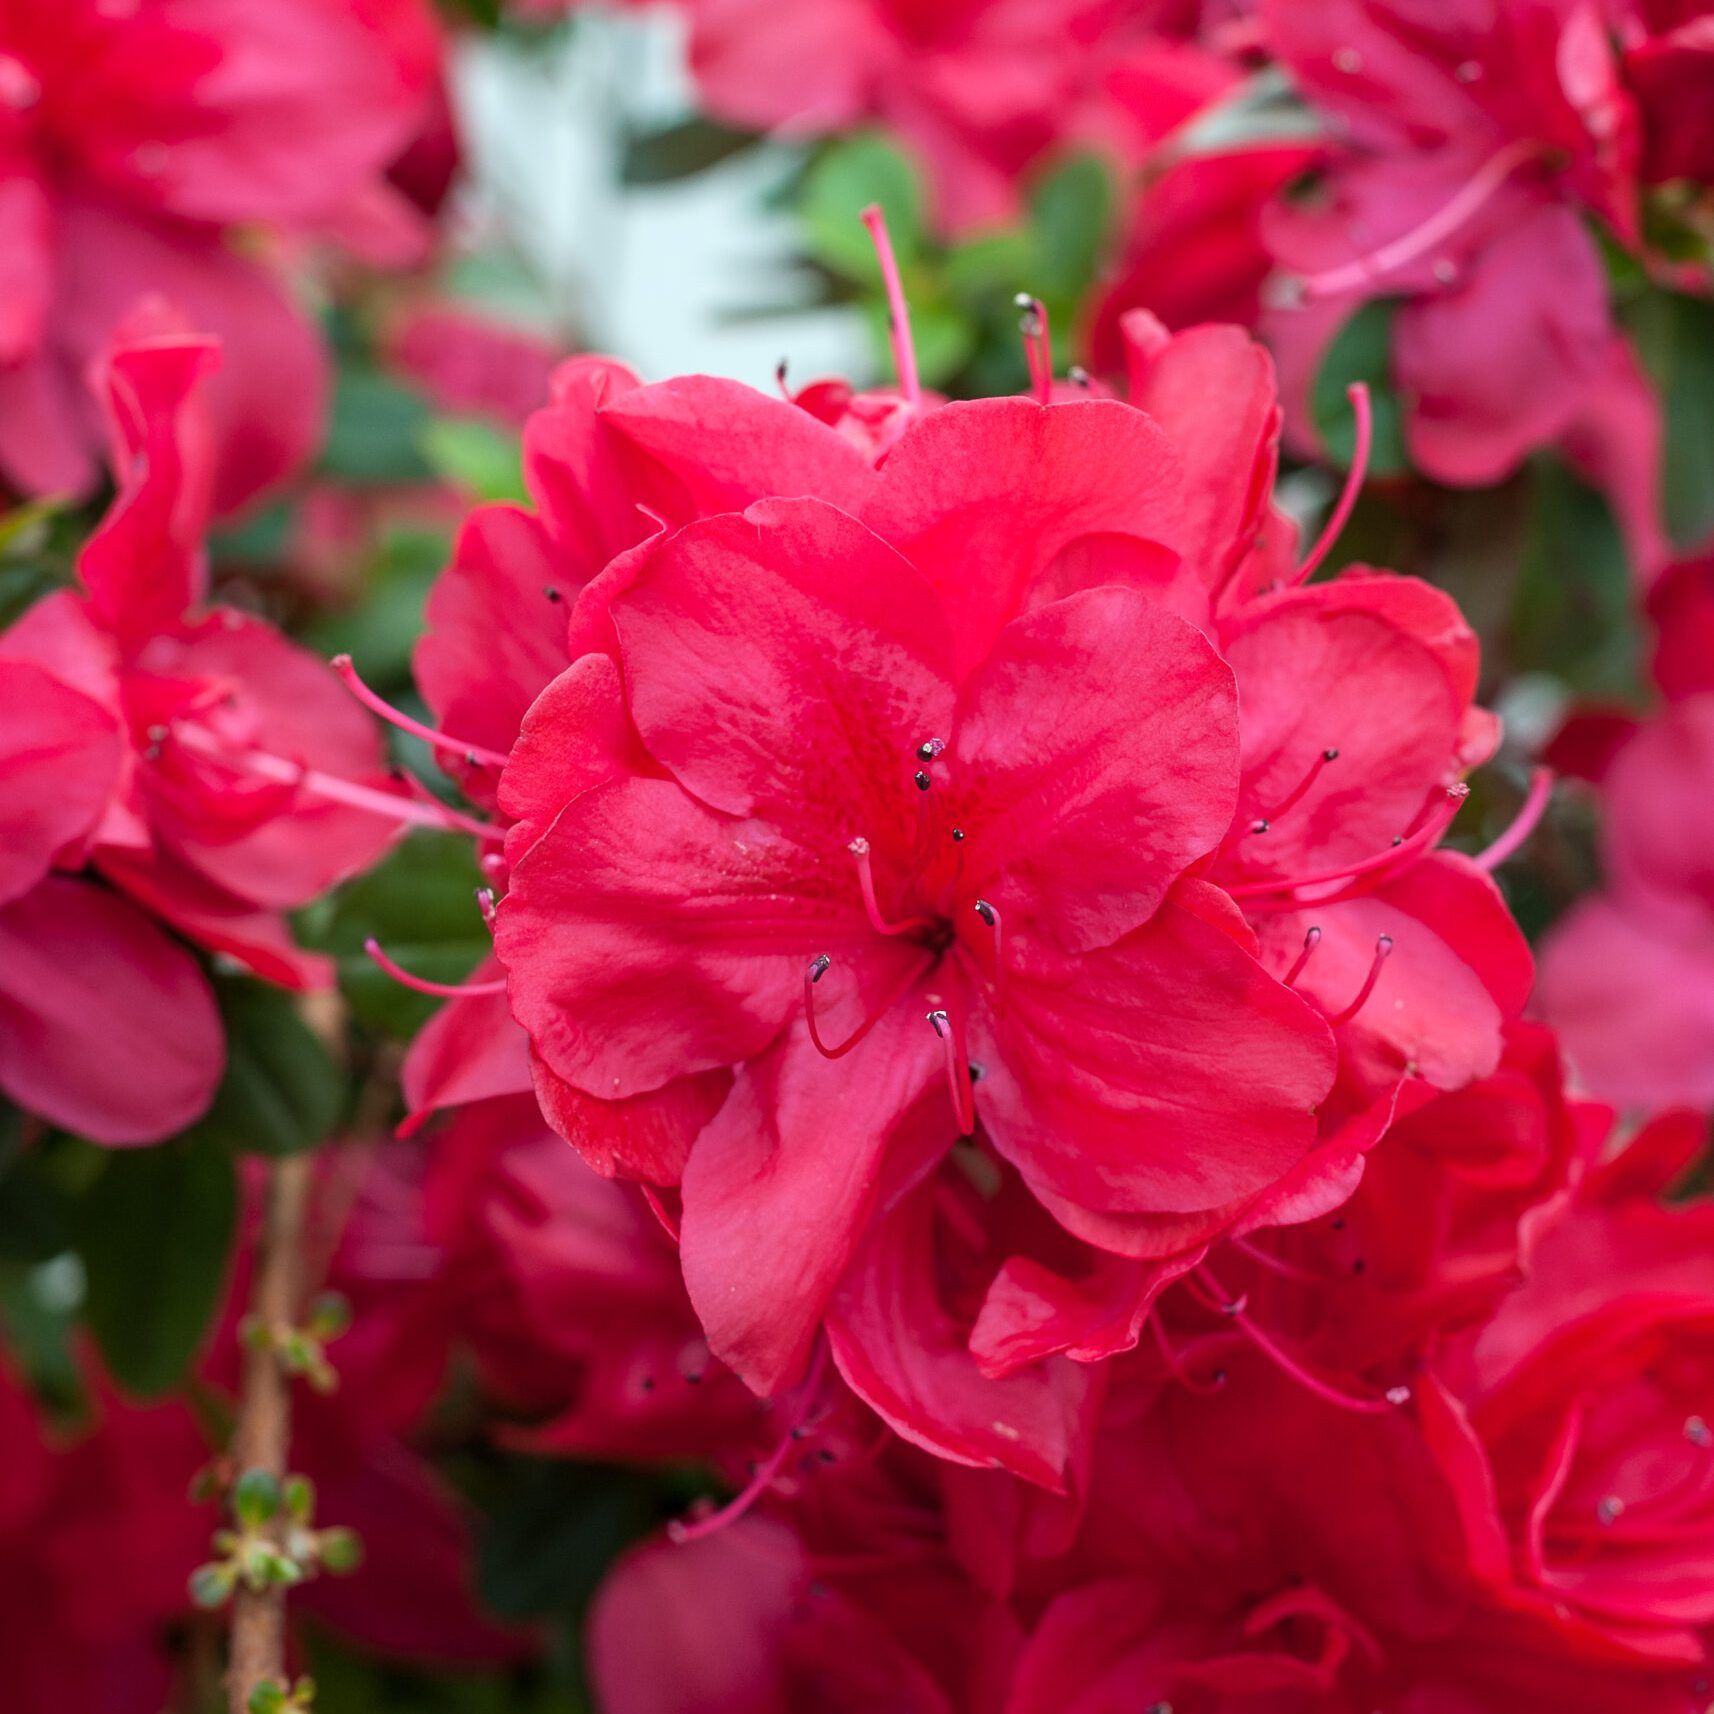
{"x":262,"y":1438}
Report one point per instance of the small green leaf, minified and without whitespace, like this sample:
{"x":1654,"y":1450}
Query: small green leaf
{"x":299,"y":1496}
{"x":281,"y":1093}
{"x":340,"y":1551}
{"x":850,"y":175}
{"x":155,"y":1231}
{"x":329,"y":1315}
{"x":1361,"y":351}
{"x":681,"y":151}
{"x":268,"y":1698}
{"x":256,"y":1498}
{"x":211,"y":1586}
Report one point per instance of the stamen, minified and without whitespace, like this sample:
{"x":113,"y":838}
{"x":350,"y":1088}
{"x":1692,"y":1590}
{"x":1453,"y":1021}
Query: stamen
{"x":927,"y":752}
{"x":1483,"y":184}
{"x":819,"y":967}
{"x":1289,"y":1365}
{"x":1310,"y":941}
{"x":473,"y":754}
{"x":422,"y":985}
{"x":1038,"y":345}
{"x":1425,"y":832}
{"x":488,"y":905}
{"x":898,"y":310}
{"x":276,"y":768}
{"x":1295,"y":795}
{"x":780,"y":370}
{"x":768,"y":1470}
{"x":1383,"y":950}
{"x":859,"y":848}
{"x":1175,"y":1363}
{"x":992,"y":918}
{"x":1358,"y":394}
{"x":1523,"y":825}
{"x":923,"y":780}
{"x":957,"y":1069}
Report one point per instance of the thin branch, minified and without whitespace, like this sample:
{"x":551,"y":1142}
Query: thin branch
{"x":263,"y":1436}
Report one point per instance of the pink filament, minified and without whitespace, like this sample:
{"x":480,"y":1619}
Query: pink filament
{"x":766,"y":1472}
{"x":422,"y":985}
{"x":1424,"y":834}
{"x":335,"y":790}
{"x":396,"y":717}
{"x":898,"y":310}
{"x":1467,"y":202}
{"x":1523,"y":825}
{"x":866,"y":880}
{"x":1383,"y":951}
{"x":1361,"y":408}
{"x":951,"y":1034}
{"x":811,"y":976}
{"x":1038,"y":346}
{"x":1289,"y":1365}
{"x":1295,"y":796}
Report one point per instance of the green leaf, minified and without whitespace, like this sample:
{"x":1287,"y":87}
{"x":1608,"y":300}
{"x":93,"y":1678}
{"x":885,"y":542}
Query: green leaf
{"x":1361,"y":351}
{"x":681,"y":151}
{"x":475,"y":456}
{"x":375,"y":435}
{"x":380,"y":631}
{"x":1675,"y":335}
{"x":256,"y":1498}
{"x":420,"y":903}
{"x":282,"y":1093}
{"x":1573,"y":612}
{"x":155,"y":1231}
{"x":32,"y":1202}
{"x":556,"y":1529}
{"x":1071,"y":216}
{"x":847,"y":177}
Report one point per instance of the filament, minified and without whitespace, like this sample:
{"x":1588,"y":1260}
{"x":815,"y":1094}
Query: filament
{"x":474,"y":754}
{"x":1363,"y":411}
{"x":898,"y":310}
{"x":1523,"y":824}
{"x":422,"y":985}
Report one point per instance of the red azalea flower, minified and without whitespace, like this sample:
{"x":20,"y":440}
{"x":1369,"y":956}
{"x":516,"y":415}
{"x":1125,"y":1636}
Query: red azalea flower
{"x":1628,"y":973}
{"x":1474,"y":147}
{"x":827,"y":840}
{"x":1590,"y":1391}
{"x":248,"y":780}
{"x":135,"y":140}
{"x":106,"y":1025}
{"x":981,"y":90}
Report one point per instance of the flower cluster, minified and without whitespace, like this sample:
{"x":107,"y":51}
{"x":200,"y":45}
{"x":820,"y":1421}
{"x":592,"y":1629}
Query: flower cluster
{"x":889,"y":1057}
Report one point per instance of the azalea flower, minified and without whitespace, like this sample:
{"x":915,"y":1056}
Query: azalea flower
{"x":247,"y":780}
{"x":138,"y":143}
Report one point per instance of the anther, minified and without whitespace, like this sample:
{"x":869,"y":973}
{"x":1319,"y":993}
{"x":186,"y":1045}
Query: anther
{"x":986,"y":912}
{"x":1078,"y":376}
{"x":1608,"y":1510}
{"x":941,"y":1022}
{"x":488,"y":905}
{"x":550,"y":592}
{"x":926,"y":752}
{"x":1696,"y":1431}
{"x":958,"y":836}
{"x":819,"y":967}
{"x":923,"y":782}
{"x":1261,"y":825}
